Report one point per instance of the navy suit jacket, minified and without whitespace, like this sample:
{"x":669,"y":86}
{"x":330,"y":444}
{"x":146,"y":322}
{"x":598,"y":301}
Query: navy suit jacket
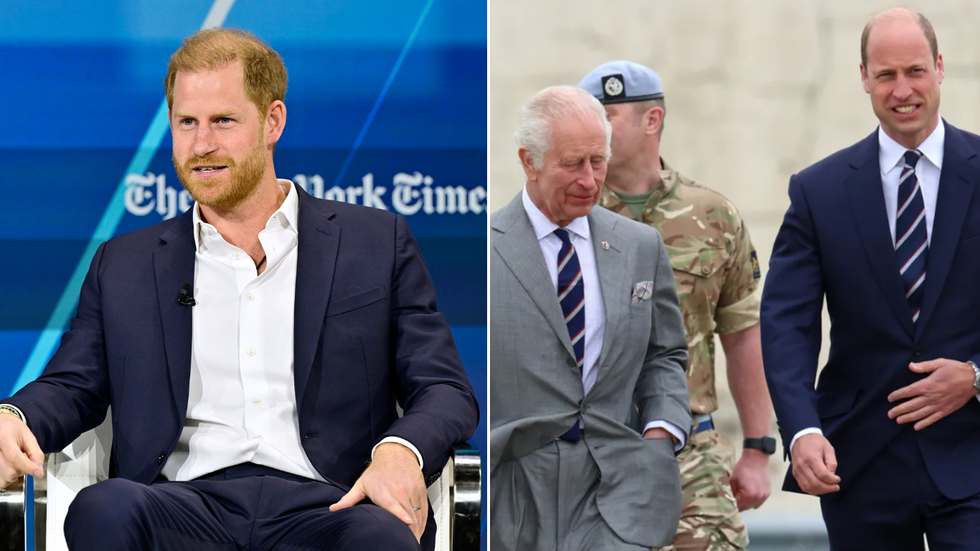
{"x":367,"y":333}
{"x":835,"y":244}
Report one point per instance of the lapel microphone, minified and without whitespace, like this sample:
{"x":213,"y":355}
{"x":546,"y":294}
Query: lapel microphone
{"x":183,"y":299}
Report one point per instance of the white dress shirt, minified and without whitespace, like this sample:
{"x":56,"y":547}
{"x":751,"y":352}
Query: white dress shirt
{"x":891,"y":159}
{"x":595,"y":310}
{"x":242,"y":400}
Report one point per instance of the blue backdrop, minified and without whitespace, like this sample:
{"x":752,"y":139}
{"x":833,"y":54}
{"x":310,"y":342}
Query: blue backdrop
{"x":387,"y":107}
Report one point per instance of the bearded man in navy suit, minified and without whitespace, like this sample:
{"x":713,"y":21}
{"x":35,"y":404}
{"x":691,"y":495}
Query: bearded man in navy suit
{"x":253,"y":351}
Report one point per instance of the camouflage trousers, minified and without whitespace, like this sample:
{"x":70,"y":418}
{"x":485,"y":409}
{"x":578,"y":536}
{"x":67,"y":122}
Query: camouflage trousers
{"x":710,"y":520}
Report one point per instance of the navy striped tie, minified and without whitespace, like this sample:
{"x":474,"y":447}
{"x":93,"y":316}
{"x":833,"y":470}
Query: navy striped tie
{"x":571,"y":295}
{"x":911,"y":240}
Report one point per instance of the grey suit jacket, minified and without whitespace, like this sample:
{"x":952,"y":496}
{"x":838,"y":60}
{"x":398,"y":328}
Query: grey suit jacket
{"x":536,"y":390}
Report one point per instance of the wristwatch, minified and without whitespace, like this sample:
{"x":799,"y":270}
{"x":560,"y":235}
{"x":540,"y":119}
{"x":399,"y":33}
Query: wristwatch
{"x":4,"y":408}
{"x":976,"y":374}
{"x":766,"y":444}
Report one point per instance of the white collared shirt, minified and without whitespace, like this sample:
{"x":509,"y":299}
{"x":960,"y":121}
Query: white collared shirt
{"x":891,"y":159}
{"x":595,"y":310}
{"x":242,"y":401}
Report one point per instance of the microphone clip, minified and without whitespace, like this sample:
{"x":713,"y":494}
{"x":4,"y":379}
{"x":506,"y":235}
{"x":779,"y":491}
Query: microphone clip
{"x":183,"y":299}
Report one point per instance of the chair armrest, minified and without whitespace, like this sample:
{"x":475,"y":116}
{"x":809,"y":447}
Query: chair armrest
{"x":15,"y":516}
{"x":455,"y":496}
{"x":465,"y":498}
{"x":82,"y":463}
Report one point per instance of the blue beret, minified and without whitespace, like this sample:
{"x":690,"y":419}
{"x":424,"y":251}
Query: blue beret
{"x":622,"y":82}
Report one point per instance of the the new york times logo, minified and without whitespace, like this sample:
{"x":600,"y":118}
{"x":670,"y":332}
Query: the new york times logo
{"x":411,"y":194}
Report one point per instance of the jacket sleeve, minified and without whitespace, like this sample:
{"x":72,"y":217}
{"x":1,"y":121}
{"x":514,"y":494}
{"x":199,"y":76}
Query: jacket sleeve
{"x":440,"y":407}
{"x":661,"y":392}
{"x":792,"y":302}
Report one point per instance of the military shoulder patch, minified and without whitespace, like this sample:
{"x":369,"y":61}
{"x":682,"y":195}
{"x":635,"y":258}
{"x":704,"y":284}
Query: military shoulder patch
{"x":756,"y":272}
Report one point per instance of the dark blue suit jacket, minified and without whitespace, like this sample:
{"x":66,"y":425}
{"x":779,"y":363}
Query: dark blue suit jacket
{"x":834,"y":243}
{"x":367,"y":333}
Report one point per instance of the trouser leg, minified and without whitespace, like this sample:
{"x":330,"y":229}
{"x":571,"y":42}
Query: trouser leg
{"x":710,"y":520}
{"x":122,"y":515}
{"x":299,"y":519}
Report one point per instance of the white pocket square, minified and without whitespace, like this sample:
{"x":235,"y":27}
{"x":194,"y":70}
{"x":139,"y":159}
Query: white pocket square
{"x":642,"y":291}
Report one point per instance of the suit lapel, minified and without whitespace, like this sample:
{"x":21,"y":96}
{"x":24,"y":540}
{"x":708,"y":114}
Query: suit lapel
{"x":614,"y":278}
{"x":519,"y":249}
{"x":173,"y":265}
{"x":956,"y":185}
{"x":867,"y":199}
{"x":319,"y":242}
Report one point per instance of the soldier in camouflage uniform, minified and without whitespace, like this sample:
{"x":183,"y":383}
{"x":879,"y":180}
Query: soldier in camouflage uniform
{"x":716,"y":272}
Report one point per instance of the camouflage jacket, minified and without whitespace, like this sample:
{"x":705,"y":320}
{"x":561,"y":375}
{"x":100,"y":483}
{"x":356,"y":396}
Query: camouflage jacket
{"x":716,"y":269}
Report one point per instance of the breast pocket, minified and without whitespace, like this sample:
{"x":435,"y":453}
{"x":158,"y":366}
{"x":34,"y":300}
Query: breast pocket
{"x":353,"y":302}
{"x":643,"y":296}
{"x":697,"y":276}
{"x":967,"y":259}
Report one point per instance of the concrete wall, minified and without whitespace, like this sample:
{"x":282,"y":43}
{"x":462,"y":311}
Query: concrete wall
{"x":755,"y":91}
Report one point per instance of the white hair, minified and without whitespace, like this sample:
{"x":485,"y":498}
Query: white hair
{"x":549,"y":106}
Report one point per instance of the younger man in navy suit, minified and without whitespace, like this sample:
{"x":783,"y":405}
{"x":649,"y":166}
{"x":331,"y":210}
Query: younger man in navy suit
{"x":888,"y":232}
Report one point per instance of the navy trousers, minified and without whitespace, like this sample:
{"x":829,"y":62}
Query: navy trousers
{"x":890,"y":505}
{"x":244,"y":508}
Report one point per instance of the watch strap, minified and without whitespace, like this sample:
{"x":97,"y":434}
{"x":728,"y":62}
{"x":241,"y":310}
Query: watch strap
{"x":766,"y":444}
{"x":12,"y":410}
{"x":976,"y":374}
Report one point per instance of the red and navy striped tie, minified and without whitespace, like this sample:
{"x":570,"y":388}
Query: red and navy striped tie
{"x":571,"y":295}
{"x":911,"y":240}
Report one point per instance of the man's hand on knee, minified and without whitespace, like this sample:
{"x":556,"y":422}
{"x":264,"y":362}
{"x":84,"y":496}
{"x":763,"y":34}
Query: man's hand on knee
{"x":394,"y":482}
{"x":19,"y":452}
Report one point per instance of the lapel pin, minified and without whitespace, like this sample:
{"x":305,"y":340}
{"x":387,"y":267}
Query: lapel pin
{"x":605,"y":245}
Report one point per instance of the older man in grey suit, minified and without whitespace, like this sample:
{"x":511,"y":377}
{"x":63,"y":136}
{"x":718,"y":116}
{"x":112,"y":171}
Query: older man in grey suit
{"x":588,"y":399}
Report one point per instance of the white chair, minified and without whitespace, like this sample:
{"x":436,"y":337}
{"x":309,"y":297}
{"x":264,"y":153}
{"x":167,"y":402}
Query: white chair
{"x":454,"y":495}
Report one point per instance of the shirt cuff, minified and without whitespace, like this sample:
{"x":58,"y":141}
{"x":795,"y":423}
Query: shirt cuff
{"x":15,"y":410}
{"x":401,"y":441}
{"x":812,"y":430}
{"x":677,"y":433}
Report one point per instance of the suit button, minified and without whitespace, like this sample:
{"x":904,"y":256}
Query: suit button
{"x":917,"y":352}
{"x":545,"y":439}
{"x":570,"y":362}
{"x":160,"y":458}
